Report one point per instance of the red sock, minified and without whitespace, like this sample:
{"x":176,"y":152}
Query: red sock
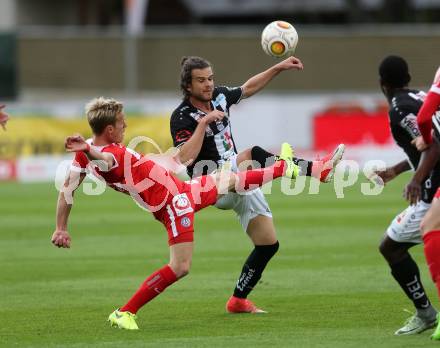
{"x":153,"y":286}
{"x":432,"y":253}
{"x":259,"y":177}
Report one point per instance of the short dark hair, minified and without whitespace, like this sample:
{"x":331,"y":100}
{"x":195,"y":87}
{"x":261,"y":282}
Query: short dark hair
{"x":188,"y":64}
{"x":394,"y":72}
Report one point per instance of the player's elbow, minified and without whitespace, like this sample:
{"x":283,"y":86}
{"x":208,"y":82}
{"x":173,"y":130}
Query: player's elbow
{"x":185,"y":157}
{"x":246,"y":91}
{"x":106,"y":164}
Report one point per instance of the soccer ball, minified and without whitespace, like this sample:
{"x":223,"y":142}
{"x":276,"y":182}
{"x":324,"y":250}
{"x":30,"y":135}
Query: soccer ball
{"x":279,"y":39}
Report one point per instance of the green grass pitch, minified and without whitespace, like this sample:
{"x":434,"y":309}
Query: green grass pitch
{"x":327,"y":287}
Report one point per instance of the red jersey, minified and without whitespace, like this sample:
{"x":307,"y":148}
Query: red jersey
{"x":428,"y":110}
{"x":150,"y":184}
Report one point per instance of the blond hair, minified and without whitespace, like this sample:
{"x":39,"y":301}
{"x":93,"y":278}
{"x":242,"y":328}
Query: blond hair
{"x":102,"y":112}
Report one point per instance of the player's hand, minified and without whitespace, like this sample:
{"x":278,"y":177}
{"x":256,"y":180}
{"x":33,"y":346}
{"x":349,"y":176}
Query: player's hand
{"x":386,"y":175}
{"x":61,"y":239}
{"x":419,"y":143}
{"x":413,"y":192}
{"x":75,"y":143}
{"x":213,"y":116}
{"x":290,"y":63}
{"x":4,"y":117}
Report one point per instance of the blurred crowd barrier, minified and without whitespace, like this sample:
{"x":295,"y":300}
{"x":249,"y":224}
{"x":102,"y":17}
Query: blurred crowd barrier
{"x":33,"y":147}
{"x":33,"y":136}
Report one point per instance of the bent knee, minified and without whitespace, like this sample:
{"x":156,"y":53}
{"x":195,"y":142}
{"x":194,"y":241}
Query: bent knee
{"x":181,"y":270}
{"x":266,"y":252}
{"x":275,"y":247}
{"x":386,"y":251}
{"x":393,"y":252}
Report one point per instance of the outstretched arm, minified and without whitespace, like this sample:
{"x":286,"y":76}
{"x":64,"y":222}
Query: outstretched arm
{"x":259,"y":81}
{"x":61,"y":237}
{"x":105,"y":161}
{"x":391,"y":172}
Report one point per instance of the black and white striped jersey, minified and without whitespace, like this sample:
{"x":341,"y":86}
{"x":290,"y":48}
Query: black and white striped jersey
{"x":218,"y":144}
{"x":403,"y":123}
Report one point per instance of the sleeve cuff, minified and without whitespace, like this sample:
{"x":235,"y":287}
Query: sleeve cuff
{"x":435,"y":89}
{"x":77,"y":169}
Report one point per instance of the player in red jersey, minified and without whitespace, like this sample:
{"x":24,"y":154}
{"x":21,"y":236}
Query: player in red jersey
{"x":171,"y":201}
{"x":4,"y":117}
{"x":428,"y":116}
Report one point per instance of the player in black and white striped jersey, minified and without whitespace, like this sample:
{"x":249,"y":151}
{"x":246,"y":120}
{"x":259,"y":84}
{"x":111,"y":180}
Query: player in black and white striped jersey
{"x":201,"y":129}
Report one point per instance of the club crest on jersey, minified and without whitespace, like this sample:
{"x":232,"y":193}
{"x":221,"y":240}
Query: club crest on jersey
{"x":182,"y":204}
{"x":185,"y":222}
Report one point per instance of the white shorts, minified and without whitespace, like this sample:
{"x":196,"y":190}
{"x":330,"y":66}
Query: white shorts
{"x":405,"y":228}
{"x":246,"y":205}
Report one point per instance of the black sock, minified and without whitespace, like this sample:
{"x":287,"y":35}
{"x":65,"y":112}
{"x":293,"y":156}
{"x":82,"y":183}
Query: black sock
{"x":407,"y":275}
{"x":253,"y":268}
{"x":266,"y":159}
{"x":262,"y":157}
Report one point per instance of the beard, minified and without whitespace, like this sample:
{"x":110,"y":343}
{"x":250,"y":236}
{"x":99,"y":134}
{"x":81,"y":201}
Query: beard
{"x":203,"y":97}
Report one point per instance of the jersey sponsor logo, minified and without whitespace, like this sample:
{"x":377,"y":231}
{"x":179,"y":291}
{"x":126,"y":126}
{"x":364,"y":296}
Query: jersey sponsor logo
{"x":185,"y":222}
{"x":183,"y":135}
{"x":182,"y":204}
{"x":409,"y":122}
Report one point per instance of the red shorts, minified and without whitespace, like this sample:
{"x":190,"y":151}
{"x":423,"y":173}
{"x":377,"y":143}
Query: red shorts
{"x":437,"y":193}
{"x":178,"y":214}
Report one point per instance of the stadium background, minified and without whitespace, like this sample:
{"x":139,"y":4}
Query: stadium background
{"x":55,"y":56}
